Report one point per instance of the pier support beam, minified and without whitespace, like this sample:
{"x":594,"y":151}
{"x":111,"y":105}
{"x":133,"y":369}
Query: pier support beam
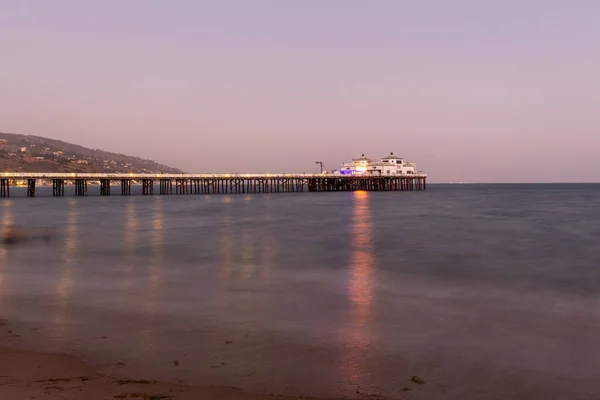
{"x":166,"y":186}
{"x":211,"y":186}
{"x":4,"y":188}
{"x":147,"y":186}
{"x":80,"y":187}
{"x":181,"y":186}
{"x":125,"y":187}
{"x":30,"y":187}
{"x":196,"y":186}
{"x":104,"y":187}
{"x":236,"y":186}
{"x":58,"y":187}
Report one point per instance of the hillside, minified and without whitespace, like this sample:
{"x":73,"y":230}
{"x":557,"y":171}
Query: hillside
{"x":27,"y":153}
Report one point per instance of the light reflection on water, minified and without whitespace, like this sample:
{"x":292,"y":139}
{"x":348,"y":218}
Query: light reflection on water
{"x":227,"y":248}
{"x":362,"y":265}
{"x":157,"y":240}
{"x":130,"y":234}
{"x":267,"y":249}
{"x":360,"y":289}
{"x":67,"y":269}
{"x":130,"y":230}
{"x":248,"y":254}
{"x":155,"y":274}
{"x":7,"y":221}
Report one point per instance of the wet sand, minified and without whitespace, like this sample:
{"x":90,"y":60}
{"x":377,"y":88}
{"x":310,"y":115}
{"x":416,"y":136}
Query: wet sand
{"x":27,"y":374}
{"x":31,"y":375}
{"x":29,"y":369}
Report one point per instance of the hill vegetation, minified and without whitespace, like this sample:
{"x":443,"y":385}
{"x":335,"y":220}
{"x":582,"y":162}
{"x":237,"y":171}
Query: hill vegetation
{"x":27,"y":153}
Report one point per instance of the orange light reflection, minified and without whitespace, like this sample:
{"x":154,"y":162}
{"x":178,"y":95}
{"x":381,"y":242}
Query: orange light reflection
{"x":360,"y":290}
{"x":129,"y":241}
{"x":7,"y":221}
{"x":155,"y":264}
{"x":67,"y":268}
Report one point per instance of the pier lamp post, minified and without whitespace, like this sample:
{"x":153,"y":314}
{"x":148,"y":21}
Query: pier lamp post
{"x":321,"y":164}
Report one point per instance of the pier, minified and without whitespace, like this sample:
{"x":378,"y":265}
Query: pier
{"x":186,"y":184}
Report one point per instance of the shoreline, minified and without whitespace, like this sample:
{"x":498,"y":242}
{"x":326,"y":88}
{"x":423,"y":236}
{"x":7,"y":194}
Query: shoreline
{"x":34,"y":374}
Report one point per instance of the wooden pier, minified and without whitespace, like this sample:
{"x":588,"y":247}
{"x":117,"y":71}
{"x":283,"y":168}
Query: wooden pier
{"x":184,"y":184}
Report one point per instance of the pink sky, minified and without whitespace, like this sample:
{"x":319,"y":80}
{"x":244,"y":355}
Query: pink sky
{"x":470,"y":90}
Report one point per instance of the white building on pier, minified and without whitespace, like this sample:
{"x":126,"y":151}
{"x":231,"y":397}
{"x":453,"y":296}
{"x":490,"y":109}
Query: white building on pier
{"x":390,"y":165}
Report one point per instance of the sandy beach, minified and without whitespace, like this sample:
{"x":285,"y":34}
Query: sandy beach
{"x":32,"y":374}
{"x":27,"y":374}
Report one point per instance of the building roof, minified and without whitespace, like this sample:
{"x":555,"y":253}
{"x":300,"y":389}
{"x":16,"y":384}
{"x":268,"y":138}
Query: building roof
{"x":362,"y":158}
{"x":392,"y":157}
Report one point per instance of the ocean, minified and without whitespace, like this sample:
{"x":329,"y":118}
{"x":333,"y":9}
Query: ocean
{"x":482,"y":291}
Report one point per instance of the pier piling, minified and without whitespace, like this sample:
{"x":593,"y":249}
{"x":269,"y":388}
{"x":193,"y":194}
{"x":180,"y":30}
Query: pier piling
{"x":125,"y":187}
{"x":147,"y":186}
{"x":104,"y":187}
{"x":30,"y":187}
{"x":80,"y":187}
{"x":166,"y":186}
{"x":4,"y":188}
{"x":181,"y":186}
{"x":58,"y":187}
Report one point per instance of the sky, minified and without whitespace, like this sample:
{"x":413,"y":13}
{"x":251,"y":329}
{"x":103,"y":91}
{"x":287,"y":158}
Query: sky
{"x":470,"y":90}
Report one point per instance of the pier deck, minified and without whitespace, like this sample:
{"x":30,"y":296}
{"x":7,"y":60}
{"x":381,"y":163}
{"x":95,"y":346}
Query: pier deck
{"x":214,"y":183}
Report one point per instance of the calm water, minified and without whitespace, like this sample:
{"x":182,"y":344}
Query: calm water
{"x":483,"y":291}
